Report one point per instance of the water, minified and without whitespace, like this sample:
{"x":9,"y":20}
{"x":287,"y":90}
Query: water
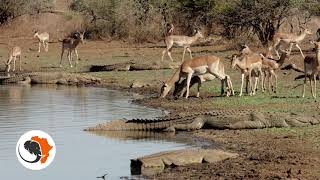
{"x":63,"y":112}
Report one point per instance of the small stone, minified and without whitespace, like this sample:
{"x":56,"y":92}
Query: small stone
{"x":137,"y":84}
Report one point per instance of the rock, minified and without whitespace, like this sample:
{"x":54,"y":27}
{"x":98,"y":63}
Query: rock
{"x":138,"y":84}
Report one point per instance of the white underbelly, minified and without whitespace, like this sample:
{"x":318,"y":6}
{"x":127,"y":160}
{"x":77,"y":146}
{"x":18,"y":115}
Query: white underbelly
{"x":200,"y":70}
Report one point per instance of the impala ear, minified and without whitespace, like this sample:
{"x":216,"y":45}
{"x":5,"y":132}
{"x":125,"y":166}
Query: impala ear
{"x":161,"y":82}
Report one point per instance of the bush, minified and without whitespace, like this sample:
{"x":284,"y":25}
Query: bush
{"x":145,"y":20}
{"x":10,"y":9}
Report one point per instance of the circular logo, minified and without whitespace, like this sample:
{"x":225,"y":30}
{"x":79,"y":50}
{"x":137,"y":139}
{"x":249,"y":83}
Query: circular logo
{"x":35,"y":150}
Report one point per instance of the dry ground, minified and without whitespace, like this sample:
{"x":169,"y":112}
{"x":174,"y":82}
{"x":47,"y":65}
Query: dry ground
{"x":265,"y":154}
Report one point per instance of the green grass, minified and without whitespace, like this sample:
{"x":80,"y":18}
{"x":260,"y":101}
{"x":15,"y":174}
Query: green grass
{"x":100,"y":53}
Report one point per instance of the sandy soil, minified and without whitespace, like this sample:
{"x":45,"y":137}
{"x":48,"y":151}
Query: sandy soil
{"x":264,"y":154}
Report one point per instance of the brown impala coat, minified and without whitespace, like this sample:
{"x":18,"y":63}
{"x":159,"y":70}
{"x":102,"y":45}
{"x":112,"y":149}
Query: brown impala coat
{"x":203,"y":65}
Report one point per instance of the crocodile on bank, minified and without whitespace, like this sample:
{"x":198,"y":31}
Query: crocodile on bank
{"x":50,"y":78}
{"x":219,"y":119}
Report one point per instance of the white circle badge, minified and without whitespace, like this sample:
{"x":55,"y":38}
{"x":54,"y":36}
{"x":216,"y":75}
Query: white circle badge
{"x":35,"y":150}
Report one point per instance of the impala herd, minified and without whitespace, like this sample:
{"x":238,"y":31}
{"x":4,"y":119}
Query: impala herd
{"x":260,"y":66}
{"x":70,"y":44}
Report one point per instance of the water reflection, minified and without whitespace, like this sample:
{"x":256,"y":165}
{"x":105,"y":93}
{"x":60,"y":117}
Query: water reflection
{"x":63,"y":112}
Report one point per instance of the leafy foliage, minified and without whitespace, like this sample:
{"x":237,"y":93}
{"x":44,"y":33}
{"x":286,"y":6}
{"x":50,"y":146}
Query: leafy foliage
{"x":11,"y":9}
{"x":146,"y":19}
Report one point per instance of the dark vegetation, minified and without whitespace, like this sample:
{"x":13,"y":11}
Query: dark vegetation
{"x":145,"y":20}
{"x":10,"y":9}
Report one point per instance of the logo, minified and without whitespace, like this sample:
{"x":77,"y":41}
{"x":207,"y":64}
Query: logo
{"x":35,"y":150}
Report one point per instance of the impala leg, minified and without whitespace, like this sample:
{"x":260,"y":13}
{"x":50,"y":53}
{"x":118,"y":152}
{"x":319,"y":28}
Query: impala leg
{"x":315,"y":85}
{"x":242,"y":81}
{"x":39,"y":46}
{"x":47,"y":46}
{"x":262,"y":79}
{"x":297,"y":45}
{"x":69,"y":58}
{"x":8,"y":66}
{"x":231,"y":86}
{"x":270,"y":83}
{"x":263,"y":85}
{"x":250,"y":83}
{"x":276,"y":82}
{"x":199,"y":86}
{"x":311,"y":79}
{"x":169,"y":54}
{"x":8,"y":69}
{"x":76,"y":52}
{"x":222,"y":86}
{"x":189,"y":50}
{"x":44,"y":45}
{"x":304,"y":86}
{"x":14,"y":63}
{"x":256,"y":79}
{"x":247,"y":84}
{"x":276,"y":48}
{"x":62,"y":51}
{"x":188,"y":84}
{"x":163,"y":53}
{"x":290,"y":48}
{"x":20,"y":63}
{"x":169,"y":48}
{"x":184,"y":52}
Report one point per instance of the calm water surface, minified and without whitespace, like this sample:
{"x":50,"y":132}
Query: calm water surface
{"x":63,"y":112}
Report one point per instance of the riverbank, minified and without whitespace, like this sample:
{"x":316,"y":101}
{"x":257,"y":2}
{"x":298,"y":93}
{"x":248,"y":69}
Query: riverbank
{"x":267,"y":153}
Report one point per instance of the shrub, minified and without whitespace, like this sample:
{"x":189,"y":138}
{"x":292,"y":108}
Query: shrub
{"x":10,"y":9}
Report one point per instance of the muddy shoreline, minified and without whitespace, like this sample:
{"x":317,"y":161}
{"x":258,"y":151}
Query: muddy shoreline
{"x":264,"y":154}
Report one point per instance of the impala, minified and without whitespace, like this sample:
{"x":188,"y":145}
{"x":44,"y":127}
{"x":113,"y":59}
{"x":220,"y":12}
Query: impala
{"x":199,"y":66}
{"x":43,"y":38}
{"x":311,"y":69}
{"x":71,"y":45}
{"x":270,"y":67}
{"x":248,"y":62}
{"x":288,"y":38}
{"x":13,"y":55}
{"x":182,"y":41}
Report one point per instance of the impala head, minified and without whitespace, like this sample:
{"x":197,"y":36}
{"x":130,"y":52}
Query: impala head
{"x":305,"y":30}
{"x":245,"y":49}
{"x":316,"y":45}
{"x":36,"y":33}
{"x":165,"y":89}
{"x":234,"y":61}
{"x":199,"y":34}
{"x":80,"y":36}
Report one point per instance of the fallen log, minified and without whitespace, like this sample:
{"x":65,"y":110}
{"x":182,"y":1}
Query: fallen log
{"x":297,"y":69}
{"x":112,"y":67}
{"x":129,"y":66}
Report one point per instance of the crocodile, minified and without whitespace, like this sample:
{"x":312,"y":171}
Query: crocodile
{"x":156,"y":163}
{"x":50,"y":78}
{"x":217,"y":119}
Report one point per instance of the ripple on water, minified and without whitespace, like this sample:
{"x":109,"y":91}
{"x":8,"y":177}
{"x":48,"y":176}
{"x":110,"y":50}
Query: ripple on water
{"x":63,"y":112}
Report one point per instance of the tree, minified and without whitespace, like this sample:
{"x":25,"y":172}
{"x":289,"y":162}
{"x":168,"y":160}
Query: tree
{"x":10,"y":9}
{"x":263,"y":17}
